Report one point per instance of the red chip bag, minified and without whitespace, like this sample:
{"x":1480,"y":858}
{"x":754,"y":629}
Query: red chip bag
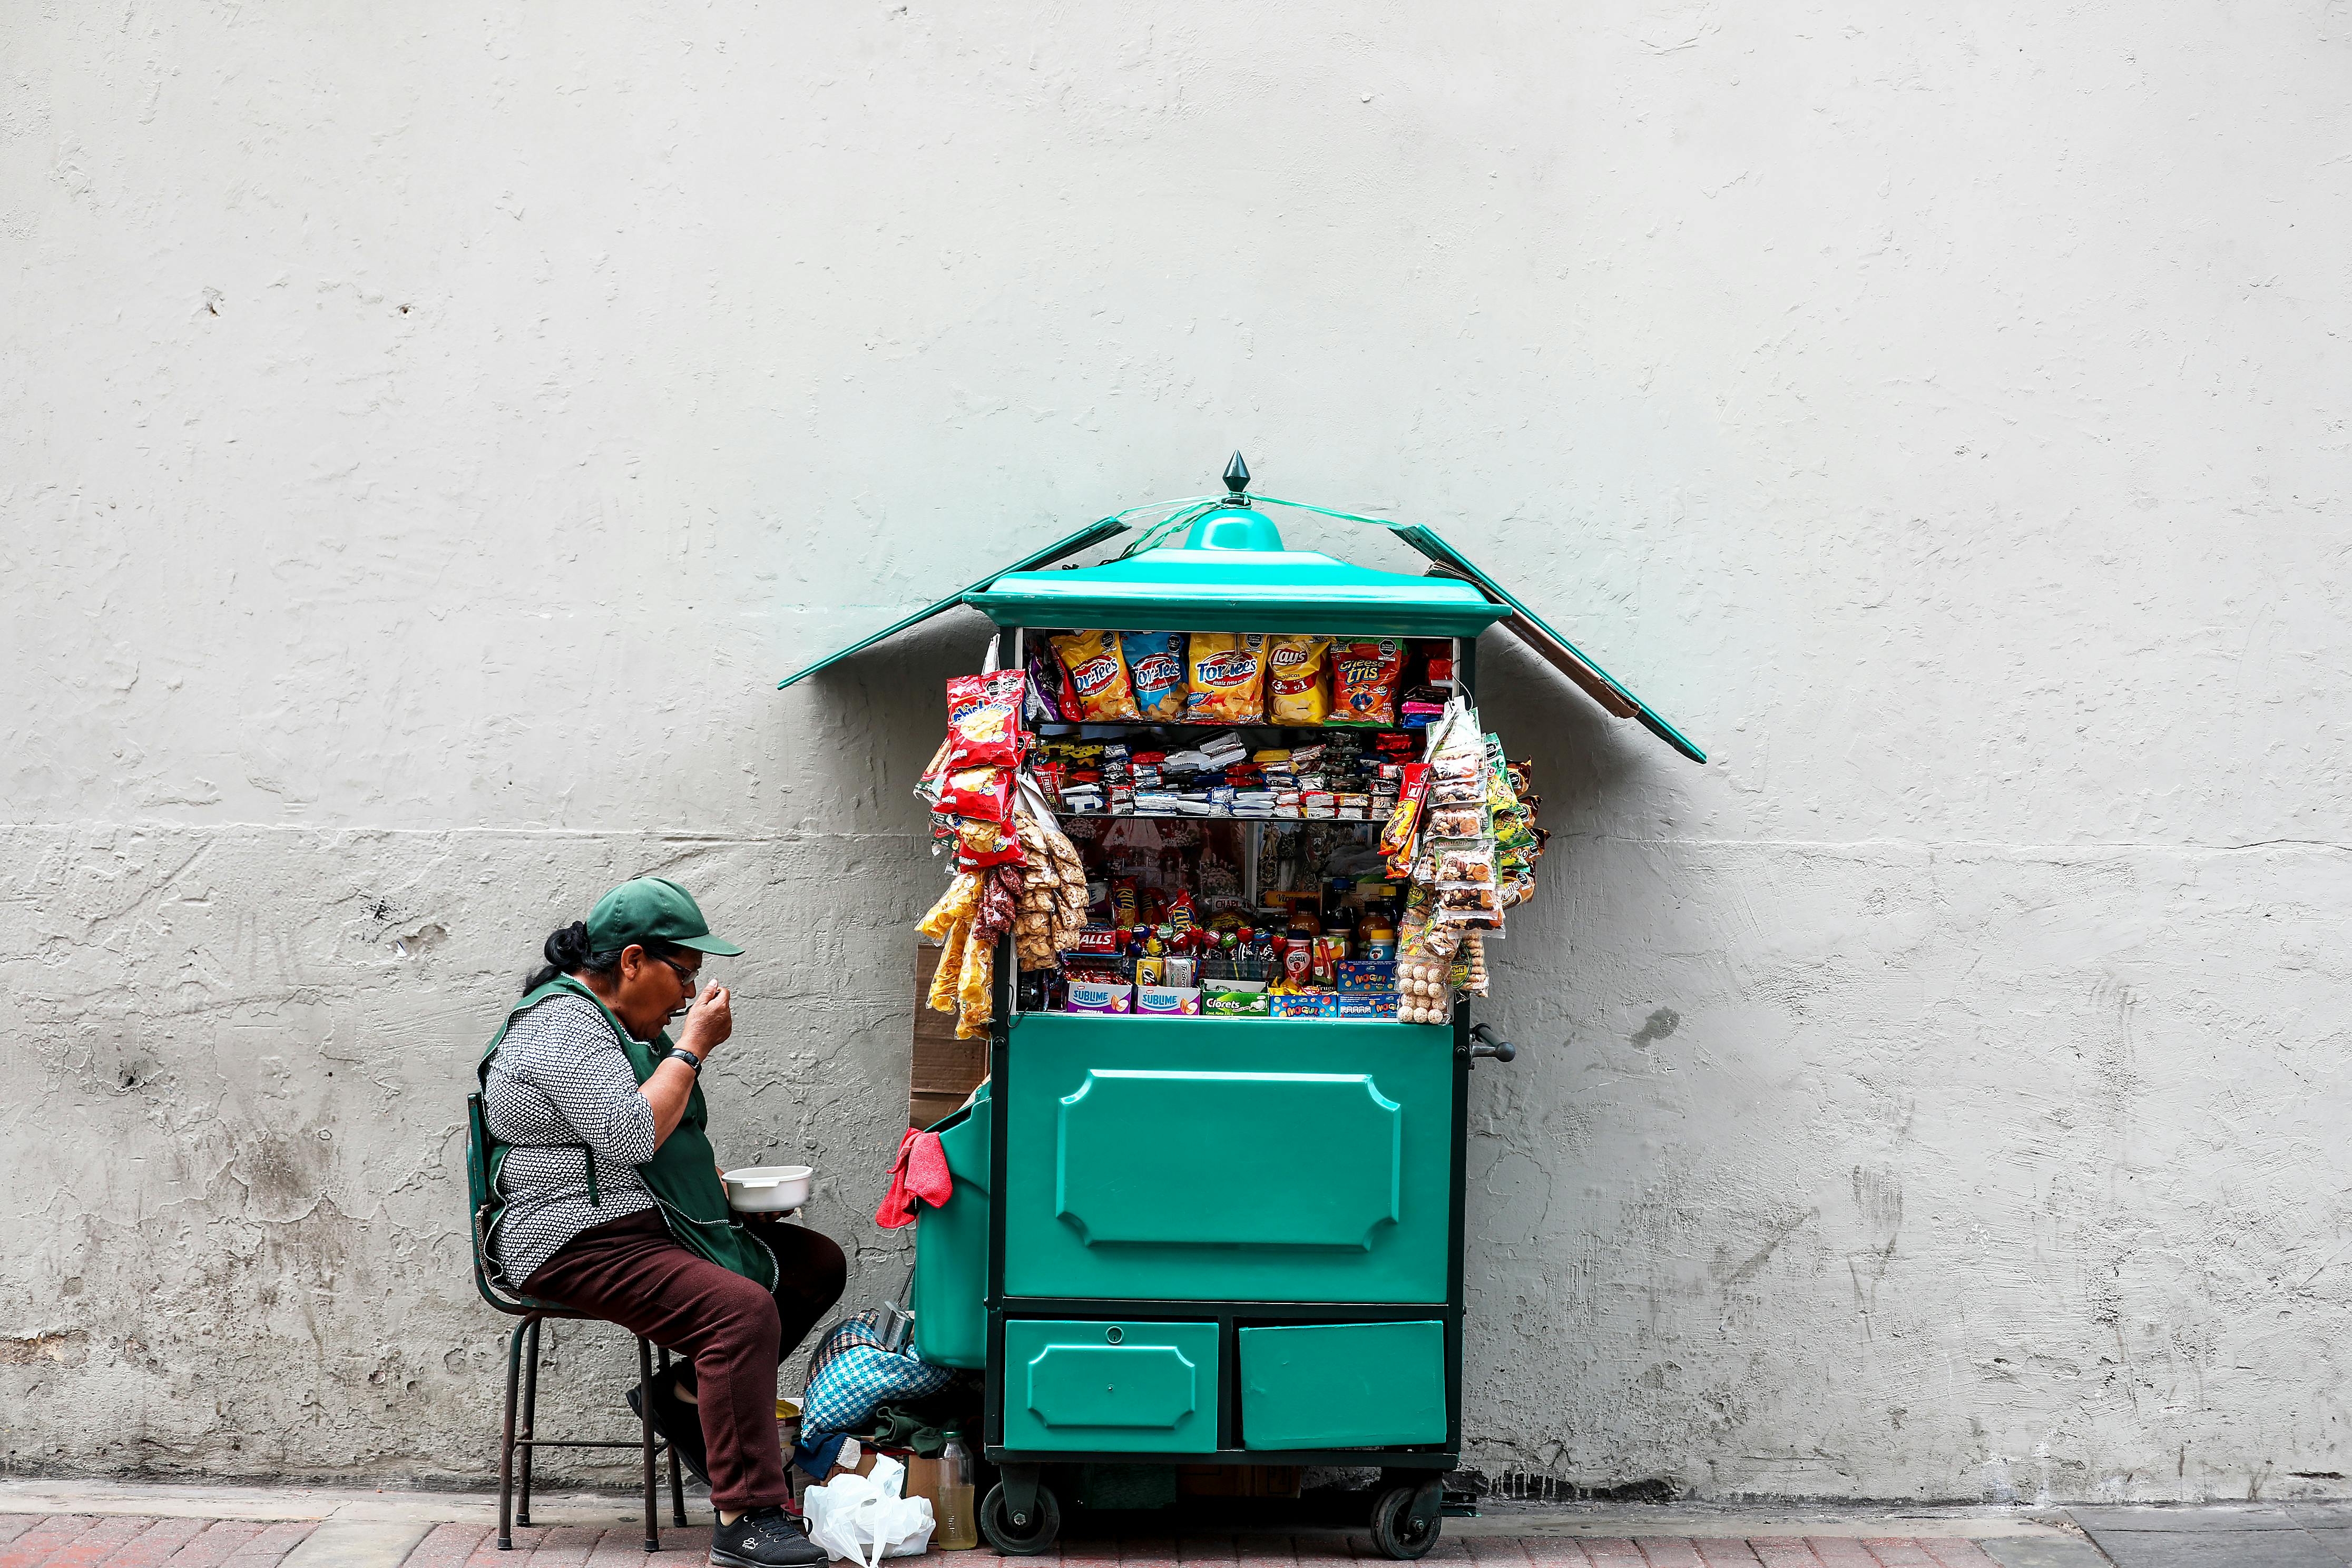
{"x":1364,"y":683}
{"x":985,"y":719}
{"x":980,"y":843}
{"x":985,"y":793}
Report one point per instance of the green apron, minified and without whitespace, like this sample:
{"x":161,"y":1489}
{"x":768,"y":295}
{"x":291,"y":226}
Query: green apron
{"x":683,"y":1174}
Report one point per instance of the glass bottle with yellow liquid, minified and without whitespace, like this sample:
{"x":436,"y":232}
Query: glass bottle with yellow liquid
{"x":954,"y":1512}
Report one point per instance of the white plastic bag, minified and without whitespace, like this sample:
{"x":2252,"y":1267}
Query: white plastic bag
{"x":864,"y":1519}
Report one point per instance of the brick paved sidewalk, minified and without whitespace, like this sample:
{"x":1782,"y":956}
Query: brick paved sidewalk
{"x":470,"y":1546}
{"x":70,"y":1540}
{"x":83,"y":1540}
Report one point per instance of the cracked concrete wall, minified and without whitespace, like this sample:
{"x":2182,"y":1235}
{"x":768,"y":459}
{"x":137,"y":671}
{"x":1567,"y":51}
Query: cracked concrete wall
{"x":430,"y":435}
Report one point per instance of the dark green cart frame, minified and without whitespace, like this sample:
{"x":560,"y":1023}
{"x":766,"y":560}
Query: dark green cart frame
{"x":1231,"y":575}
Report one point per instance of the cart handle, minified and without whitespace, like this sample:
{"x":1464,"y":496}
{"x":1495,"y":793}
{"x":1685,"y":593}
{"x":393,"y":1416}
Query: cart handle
{"x":1485,"y":1044}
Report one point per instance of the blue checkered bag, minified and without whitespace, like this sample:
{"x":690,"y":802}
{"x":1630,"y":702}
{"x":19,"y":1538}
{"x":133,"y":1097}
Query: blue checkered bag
{"x":850,"y":1373}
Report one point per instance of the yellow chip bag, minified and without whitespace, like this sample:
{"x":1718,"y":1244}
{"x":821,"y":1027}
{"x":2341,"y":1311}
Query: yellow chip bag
{"x":1225,"y":677}
{"x":1099,"y":674}
{"x":1295,"y":690}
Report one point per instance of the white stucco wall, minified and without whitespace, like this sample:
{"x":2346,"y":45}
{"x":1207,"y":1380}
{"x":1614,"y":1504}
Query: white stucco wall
{"x":430,"y":432}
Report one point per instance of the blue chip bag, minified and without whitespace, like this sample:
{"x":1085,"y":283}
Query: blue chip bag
{"x":1155,"y":665}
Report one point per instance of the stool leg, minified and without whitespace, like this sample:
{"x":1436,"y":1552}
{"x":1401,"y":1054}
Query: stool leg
{"x":507,"y":1445}
{"x":530,"y":1420}
{"x":676,"y":1486}
{"x":646,"y":1382}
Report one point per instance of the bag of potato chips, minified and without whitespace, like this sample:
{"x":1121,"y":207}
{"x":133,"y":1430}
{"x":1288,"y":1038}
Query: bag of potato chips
{"x":1225,"y":677}
{"x":1155,"y":665}
{"x":1099,"y":674}
{"x":1295,"y":692}
{"x":1364,"y":681}
{"x":985,"y":719}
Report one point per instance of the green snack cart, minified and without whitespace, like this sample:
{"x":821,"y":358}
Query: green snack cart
{"x":1206,"y":1241}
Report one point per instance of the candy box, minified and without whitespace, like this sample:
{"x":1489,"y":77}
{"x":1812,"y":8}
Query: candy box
{"x":1219,"y":1003}
{"x":1101,"y":939}
{"x":1168,"y":1001}
{"x":1101,"y":996}
{"x":1367,"y":1005}
{"x":1366,"y":974}
{"x":1306,"y":1004}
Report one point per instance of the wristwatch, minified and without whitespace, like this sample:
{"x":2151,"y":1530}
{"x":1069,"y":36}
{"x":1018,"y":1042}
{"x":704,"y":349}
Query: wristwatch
{"x":680,"y":1054}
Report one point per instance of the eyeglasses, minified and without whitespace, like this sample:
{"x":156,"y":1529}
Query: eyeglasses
{"x":687,"y":978}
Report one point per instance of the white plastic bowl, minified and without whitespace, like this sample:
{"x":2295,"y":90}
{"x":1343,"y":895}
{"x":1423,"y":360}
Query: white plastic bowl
{"x":768,"y":1189}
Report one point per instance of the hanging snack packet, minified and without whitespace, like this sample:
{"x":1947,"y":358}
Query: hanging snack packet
{"x":1468,"y":901}
{"x":982,"y":792}
{"x":1098,"y":675}
{"x":1457,"y":755}
{"x":1155,"y":667}
{"x":1458,"y":792}
{"x":1456,"y":821}
{"x":1404,"y":817}
{"x":1364,"y":683}
{"x":985,"y":719}
{"x":1225,"y":675}
{"x":1465,"y":866}
{"x":1295,"y":691}
{"x":980,"y":843}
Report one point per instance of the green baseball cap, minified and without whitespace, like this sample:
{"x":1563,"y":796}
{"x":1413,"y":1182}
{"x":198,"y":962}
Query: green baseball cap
{"x":652,"y":908}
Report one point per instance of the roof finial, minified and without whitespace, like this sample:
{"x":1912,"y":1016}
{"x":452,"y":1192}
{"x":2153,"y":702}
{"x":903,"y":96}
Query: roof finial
{"x":1236,"y":480}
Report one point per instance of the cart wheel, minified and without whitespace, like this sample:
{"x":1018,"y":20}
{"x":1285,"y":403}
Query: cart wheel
{"x":1028,"y":1540}
{"x":1394,"y":1530}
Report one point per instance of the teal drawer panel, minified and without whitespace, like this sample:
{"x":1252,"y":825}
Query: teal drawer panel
{"x":1326,"y":1148}
{"x":1143,"y":1387}
{"x":1203,"y":1159}
{"x":1343,"y":1386}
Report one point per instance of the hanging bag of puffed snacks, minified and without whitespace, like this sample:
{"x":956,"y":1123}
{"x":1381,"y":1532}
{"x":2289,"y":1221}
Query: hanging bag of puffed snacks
{"x":1364,"y":681}
{"x":985,"y":793}
{"x":1297,"y":684}
{"x":984,"y":715}
{"x":1155,"y":667}
{"x":1225,"y":677}
{"x":980,"y":843}
{"x":1098,"y":675}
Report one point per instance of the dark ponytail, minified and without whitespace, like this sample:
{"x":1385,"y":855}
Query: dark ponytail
{"x":566,"y":952}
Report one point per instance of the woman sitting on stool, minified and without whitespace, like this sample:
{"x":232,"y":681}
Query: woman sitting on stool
{"x":613,"y":1204}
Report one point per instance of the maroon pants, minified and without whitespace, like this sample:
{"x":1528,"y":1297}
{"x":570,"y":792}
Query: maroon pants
{"x":631,"y":1273}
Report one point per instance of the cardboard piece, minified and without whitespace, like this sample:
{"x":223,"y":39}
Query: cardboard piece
{"x":944,"y":1071}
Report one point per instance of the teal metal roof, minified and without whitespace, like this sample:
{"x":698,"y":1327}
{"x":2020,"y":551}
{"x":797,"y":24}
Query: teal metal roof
{"x":1233,"y":575}
{"x":1187,"y":589}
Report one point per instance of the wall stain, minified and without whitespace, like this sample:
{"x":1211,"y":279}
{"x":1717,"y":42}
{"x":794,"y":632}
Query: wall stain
{"x":1656,"y":1027}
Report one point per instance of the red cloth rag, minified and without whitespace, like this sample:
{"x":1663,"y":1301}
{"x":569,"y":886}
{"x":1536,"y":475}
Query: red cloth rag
{"x":920,"y":1170}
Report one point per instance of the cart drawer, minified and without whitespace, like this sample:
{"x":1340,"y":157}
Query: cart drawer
{"x":1199,"y":1158}
{"x":1343,"y":1385}
{"x":1095,"y":1385}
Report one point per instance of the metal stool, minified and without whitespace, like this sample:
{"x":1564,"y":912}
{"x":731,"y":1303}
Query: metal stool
{"x":522,"y":1348}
